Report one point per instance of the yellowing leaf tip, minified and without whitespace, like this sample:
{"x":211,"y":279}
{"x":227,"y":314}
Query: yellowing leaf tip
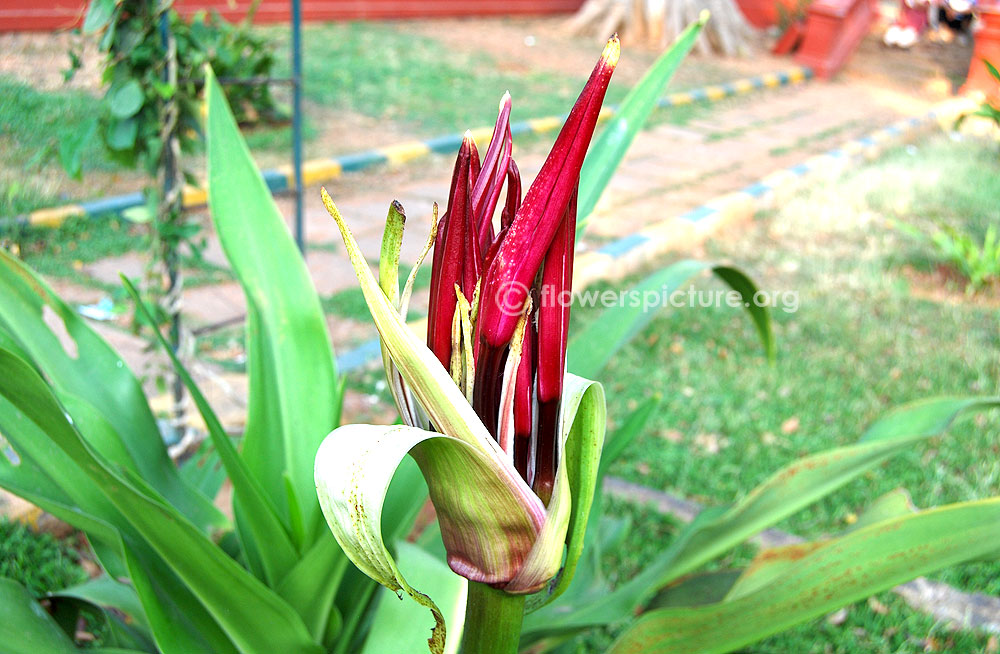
{"x":612,"y":51}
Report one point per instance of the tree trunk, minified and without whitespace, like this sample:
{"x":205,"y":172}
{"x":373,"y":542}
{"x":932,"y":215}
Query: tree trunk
{"x":659,"y":22}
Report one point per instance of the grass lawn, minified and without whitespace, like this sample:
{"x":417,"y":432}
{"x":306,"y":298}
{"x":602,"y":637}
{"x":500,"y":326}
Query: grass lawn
{"x":379,"y":72}
{"x":864,"y":339}
{"x":31,"y":124}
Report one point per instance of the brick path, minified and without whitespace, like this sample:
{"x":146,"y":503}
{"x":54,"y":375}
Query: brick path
{"x":669,"y":169}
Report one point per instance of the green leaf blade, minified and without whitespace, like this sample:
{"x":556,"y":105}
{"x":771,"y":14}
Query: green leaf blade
{"x":293,"y":381}
{"x":837,"y":573}
{"x":257,"y":518}
{"x":259,"y":619}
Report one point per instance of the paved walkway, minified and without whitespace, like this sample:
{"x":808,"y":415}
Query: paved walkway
{"x":670,"y":169}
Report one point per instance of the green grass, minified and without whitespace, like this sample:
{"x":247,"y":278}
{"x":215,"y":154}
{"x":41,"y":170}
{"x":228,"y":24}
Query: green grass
{"x":38,"y":562}
{"x":941,"y":181}
{"x":380,"y":70}
{"x":860,"y":343}
{"x":375,"y":69}
{"x":929,"y":190}
{"x":32,"y":122}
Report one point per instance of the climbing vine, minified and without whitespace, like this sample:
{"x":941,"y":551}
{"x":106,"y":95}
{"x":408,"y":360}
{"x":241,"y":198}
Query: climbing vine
{"x":153,"y":71}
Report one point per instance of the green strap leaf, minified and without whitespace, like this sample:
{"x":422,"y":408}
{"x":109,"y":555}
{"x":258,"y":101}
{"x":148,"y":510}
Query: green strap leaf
{"x":311,"y":586}
{"x":107,"y":592}
{"x":771,"y":563}
{"x":257,"y":520}
{"x":612,"y":450}
{"x":626,"y":434}
{"x":835,"y":573}
{"x":259,"y":620}
{"x":798,"y":485}
{"x":52,"y":480}
{"x":177,"y":618}
{"x":716,"y":530}
{"x":26,"y":627}
{"x":293,"y":386}
{"x":608,"y":151}
{"x":77,"y":361}
{"x":923,"y":418}
{"x":592,"y":347}
{"x":486,"y":529}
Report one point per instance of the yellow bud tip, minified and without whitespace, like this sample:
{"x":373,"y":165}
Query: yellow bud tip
{"x":704,"y":16}
{"x":612,"y":51}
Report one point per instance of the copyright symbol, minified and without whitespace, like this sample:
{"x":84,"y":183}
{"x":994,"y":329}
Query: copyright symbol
{"x":510,"y":298}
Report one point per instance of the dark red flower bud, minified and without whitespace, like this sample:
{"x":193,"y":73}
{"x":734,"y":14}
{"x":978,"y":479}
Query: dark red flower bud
{"x":453,"y":262}
{"x":512,"y":272}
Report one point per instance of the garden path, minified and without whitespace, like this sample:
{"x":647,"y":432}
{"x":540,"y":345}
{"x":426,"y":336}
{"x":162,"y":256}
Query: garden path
{"x":671,"y":168}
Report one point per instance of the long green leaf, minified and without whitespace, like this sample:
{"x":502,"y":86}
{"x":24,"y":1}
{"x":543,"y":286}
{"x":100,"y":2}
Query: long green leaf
{"x":923,"y":418}
{"x":802,"y":483}
{"x":613,"y":449}
{"x":836,"y":573}
{"x":108,"y":592}
{"x":591,"y":348}
{"x":294,"y":391}
{"x":771,"y":563}
{"x":79,"y":362}
{"x":45,"y":475}
{"x":608,"y":151}
{"x":26,"y":628}
{"x":250,"y":614}
{"x":718,"y":529}
{"x":311,"y":586}
{"x":177,"y":618}
{"x":627,"y":433}
{"x":258,"y":517}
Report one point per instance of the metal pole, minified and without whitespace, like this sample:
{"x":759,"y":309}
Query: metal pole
{"x":300,"y":236}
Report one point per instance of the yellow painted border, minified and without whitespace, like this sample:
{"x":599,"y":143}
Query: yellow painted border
{"x":56,"y":216}
{"x":403,"y":152}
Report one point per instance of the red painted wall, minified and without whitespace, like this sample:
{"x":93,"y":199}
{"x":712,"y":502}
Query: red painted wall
{"x":48,"y":15}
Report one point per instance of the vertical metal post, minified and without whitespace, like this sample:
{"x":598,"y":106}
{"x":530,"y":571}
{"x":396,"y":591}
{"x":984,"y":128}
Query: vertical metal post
{"x":300,"y":236}
{"x":170,"y":209}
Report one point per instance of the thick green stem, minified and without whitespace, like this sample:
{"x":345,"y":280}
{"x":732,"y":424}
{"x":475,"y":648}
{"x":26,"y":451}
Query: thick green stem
{"x":492,"y":621}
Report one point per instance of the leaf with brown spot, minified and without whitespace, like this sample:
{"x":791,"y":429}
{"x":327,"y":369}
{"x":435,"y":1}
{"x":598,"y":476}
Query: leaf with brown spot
{"x":835,"y":573}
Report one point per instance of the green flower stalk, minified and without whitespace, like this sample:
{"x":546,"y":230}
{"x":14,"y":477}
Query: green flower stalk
{"x":506,"y":440}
